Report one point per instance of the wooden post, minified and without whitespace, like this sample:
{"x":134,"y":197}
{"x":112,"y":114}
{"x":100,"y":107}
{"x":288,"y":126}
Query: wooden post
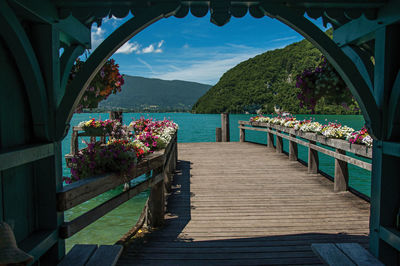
{"x":156,"y":203}
{"x":218,"y":134}
{"x":271,"y":140}
{"x":279,"y":143}
{"x":293,"y":151}
{"x":74,"y":142}
{"x":341,"y":181}
{"x":116,"y":115}
{"x":312,"y":159}
{"x":225,"y":127}
{"x":242,"y":134}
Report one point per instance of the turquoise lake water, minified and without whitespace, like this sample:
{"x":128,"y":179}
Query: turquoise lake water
{"x":192,"y":128}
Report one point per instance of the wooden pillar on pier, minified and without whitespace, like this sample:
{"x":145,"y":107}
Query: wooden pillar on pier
{"x":279,"y":143}
{"x":74,"y":142}
{"x":225,"y":127}
{"x":116,"y":115}
{"x":156,"y":203}
{"x":313,"y":160}
{"x":341,"y":181}
{"x":218,"y":134}
{"x":293,"y":151}
{"x":242,"y":134}
{"x":270,"y":140}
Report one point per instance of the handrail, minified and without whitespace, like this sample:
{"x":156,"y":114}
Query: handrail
{"x":341,"y":178}
{"x":162,"y":163}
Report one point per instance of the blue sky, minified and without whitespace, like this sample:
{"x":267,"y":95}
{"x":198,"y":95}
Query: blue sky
{"x":194,"y":49}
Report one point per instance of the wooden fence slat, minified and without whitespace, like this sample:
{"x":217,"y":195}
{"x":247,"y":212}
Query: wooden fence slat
{"x":25,"y":154}
{"x":88,"y":188}
{"x":68,"y":229}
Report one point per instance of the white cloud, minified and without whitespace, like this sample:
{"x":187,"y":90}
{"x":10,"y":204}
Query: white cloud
{"x":160,"y":43}
{"x":146,"y":65}
{"x":284,"y":39}
{"x":97,"y":35}
{"x":148,"y":49}
{"x":128,"y":48}
{"x":186,"y":46}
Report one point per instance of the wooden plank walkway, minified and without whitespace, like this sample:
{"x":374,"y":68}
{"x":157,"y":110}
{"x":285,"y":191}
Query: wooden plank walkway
{"x":243,"y":204}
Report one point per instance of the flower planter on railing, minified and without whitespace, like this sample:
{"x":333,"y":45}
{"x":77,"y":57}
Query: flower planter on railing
{"x":162,"y":163}
{"x":310,"y":140}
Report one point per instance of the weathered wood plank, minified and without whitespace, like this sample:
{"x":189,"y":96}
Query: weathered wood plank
{"x":79,"y":255}
{"x":358,"y":254}
{"x":88,"y":188}
{"x":341,"y":181}
{"x":331,"y":255}
{"x":218,"y":134}
{"x":225,"y":127}
{"x":10,"y":158}
{"x":233,"y":203}
{"x":105,"y":255}
{"x":313,"y":161}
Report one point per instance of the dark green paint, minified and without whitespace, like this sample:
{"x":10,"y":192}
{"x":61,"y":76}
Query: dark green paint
{"x":35,"y":105}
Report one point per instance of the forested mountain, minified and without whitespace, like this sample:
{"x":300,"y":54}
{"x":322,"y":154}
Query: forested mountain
{"x":264,"y":82}
{"x":145,"y":94}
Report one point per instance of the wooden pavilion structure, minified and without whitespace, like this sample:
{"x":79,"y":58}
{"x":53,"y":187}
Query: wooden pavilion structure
{"x":37,"y":104}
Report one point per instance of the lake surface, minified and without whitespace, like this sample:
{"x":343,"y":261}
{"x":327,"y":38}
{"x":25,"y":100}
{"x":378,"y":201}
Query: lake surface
{"x":192,"y":128}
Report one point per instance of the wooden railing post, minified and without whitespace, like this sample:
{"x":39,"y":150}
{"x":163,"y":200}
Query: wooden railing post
{"x":279,"y":143}
{"x":341,"y":181}
{"x":242,"y":134}
{"x":218,"y":134}
{"x":270,"y":140}
{"x":225,"y":127}
{"x":293,"y":151}
{"x":74,"y":142}
{"x":313,"y":160}
{"x":116,"y":115}
{"x":156,"y":203}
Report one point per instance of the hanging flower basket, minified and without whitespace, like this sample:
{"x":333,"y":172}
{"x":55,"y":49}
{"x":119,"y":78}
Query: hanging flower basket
{"x":107,"y":81}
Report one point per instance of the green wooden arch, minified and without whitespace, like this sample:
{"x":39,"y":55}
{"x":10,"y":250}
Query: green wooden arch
{"x":42,"y":103}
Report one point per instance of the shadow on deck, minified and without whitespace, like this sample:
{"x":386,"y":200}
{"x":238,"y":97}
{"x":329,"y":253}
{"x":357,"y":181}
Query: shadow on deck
{"x":241,"y":204}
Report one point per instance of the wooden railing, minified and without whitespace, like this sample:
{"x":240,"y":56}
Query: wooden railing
{"x":159,"y":165}
{"x":310,"y":140}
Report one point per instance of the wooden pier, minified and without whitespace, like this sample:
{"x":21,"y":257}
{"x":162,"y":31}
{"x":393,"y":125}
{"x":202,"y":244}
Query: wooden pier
{"x":242,"y":204}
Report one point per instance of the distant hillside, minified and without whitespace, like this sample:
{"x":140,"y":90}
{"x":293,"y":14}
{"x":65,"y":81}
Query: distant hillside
{"x":145,"y":94}
{"x":264,"y":82}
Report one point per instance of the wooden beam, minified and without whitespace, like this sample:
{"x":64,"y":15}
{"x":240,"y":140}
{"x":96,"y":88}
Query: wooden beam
{"x":23,"y":155}
{"x":39,"y":242}
{"x":68,"y":229}
{"x":293,"y":151}
{"x":341,"y":180}
{"x":362,"y":29}
{"x":20,"y":46}
{"x":73,"y":32}
{"x":313,"y":160}
{"x":85,"y":189}
{"x":156,"y":203}
{"x":391,"y":236}
{"x":225,"y":127}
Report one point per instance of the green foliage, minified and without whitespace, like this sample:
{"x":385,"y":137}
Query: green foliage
{"x":264,"y":82}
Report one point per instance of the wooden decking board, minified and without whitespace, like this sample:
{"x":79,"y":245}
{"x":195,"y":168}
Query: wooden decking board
{"x":245,"y":204}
